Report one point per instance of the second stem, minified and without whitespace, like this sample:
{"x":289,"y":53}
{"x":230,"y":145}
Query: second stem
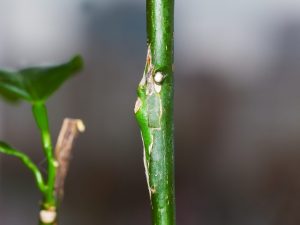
{"x":41,"y":116}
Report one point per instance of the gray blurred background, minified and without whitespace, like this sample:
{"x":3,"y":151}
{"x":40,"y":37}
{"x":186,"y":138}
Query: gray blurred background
{"x":237,"y":110}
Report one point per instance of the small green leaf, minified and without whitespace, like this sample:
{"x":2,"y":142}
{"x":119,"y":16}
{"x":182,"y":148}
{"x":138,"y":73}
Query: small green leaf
{"x":38,"y":83}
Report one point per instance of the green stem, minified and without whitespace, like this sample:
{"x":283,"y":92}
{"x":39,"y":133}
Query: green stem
{"x":154,"y":111}
{"x":41,"y":117}
{"x":30,"y":165}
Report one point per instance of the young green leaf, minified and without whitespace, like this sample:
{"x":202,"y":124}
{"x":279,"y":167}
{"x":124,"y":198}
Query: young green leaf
{"x":38,"y":83}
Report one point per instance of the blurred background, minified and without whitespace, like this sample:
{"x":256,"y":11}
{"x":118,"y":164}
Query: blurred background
{"x":237,"y":110}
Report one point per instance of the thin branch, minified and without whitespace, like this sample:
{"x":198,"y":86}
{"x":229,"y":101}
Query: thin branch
{"x":63,"y":151}
{"x":28,"y":163}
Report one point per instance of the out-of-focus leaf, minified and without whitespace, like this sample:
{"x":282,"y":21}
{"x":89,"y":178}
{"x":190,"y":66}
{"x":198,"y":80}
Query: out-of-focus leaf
{"x":8,"y":96}
{"x":38,"y":83}
{"x":4,"y":145}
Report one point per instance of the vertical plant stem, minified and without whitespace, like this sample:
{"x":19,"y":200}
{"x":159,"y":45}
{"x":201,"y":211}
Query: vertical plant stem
{"x":154,"y":111}
{"x":57,"y":165}
{"x":49,"y":200}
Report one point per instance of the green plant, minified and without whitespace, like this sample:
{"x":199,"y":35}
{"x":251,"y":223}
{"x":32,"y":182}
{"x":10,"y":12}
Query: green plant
{"x":36,"y":85}
{"x":154,"y":111}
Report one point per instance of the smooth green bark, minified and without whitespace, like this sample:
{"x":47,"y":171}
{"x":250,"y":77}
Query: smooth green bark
{"x":154,"y":111}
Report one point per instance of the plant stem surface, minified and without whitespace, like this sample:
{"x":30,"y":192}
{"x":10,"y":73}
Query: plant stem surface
{"x":49,"y":204}
{"x":154,"y":111}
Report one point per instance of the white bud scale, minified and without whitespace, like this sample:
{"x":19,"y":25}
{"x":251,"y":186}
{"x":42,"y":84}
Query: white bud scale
{"x":47,"y":216}
{"x":158,"y":77}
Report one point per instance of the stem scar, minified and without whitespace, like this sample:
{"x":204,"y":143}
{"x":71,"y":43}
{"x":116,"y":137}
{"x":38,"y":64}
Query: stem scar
{"x":138,"y":105}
